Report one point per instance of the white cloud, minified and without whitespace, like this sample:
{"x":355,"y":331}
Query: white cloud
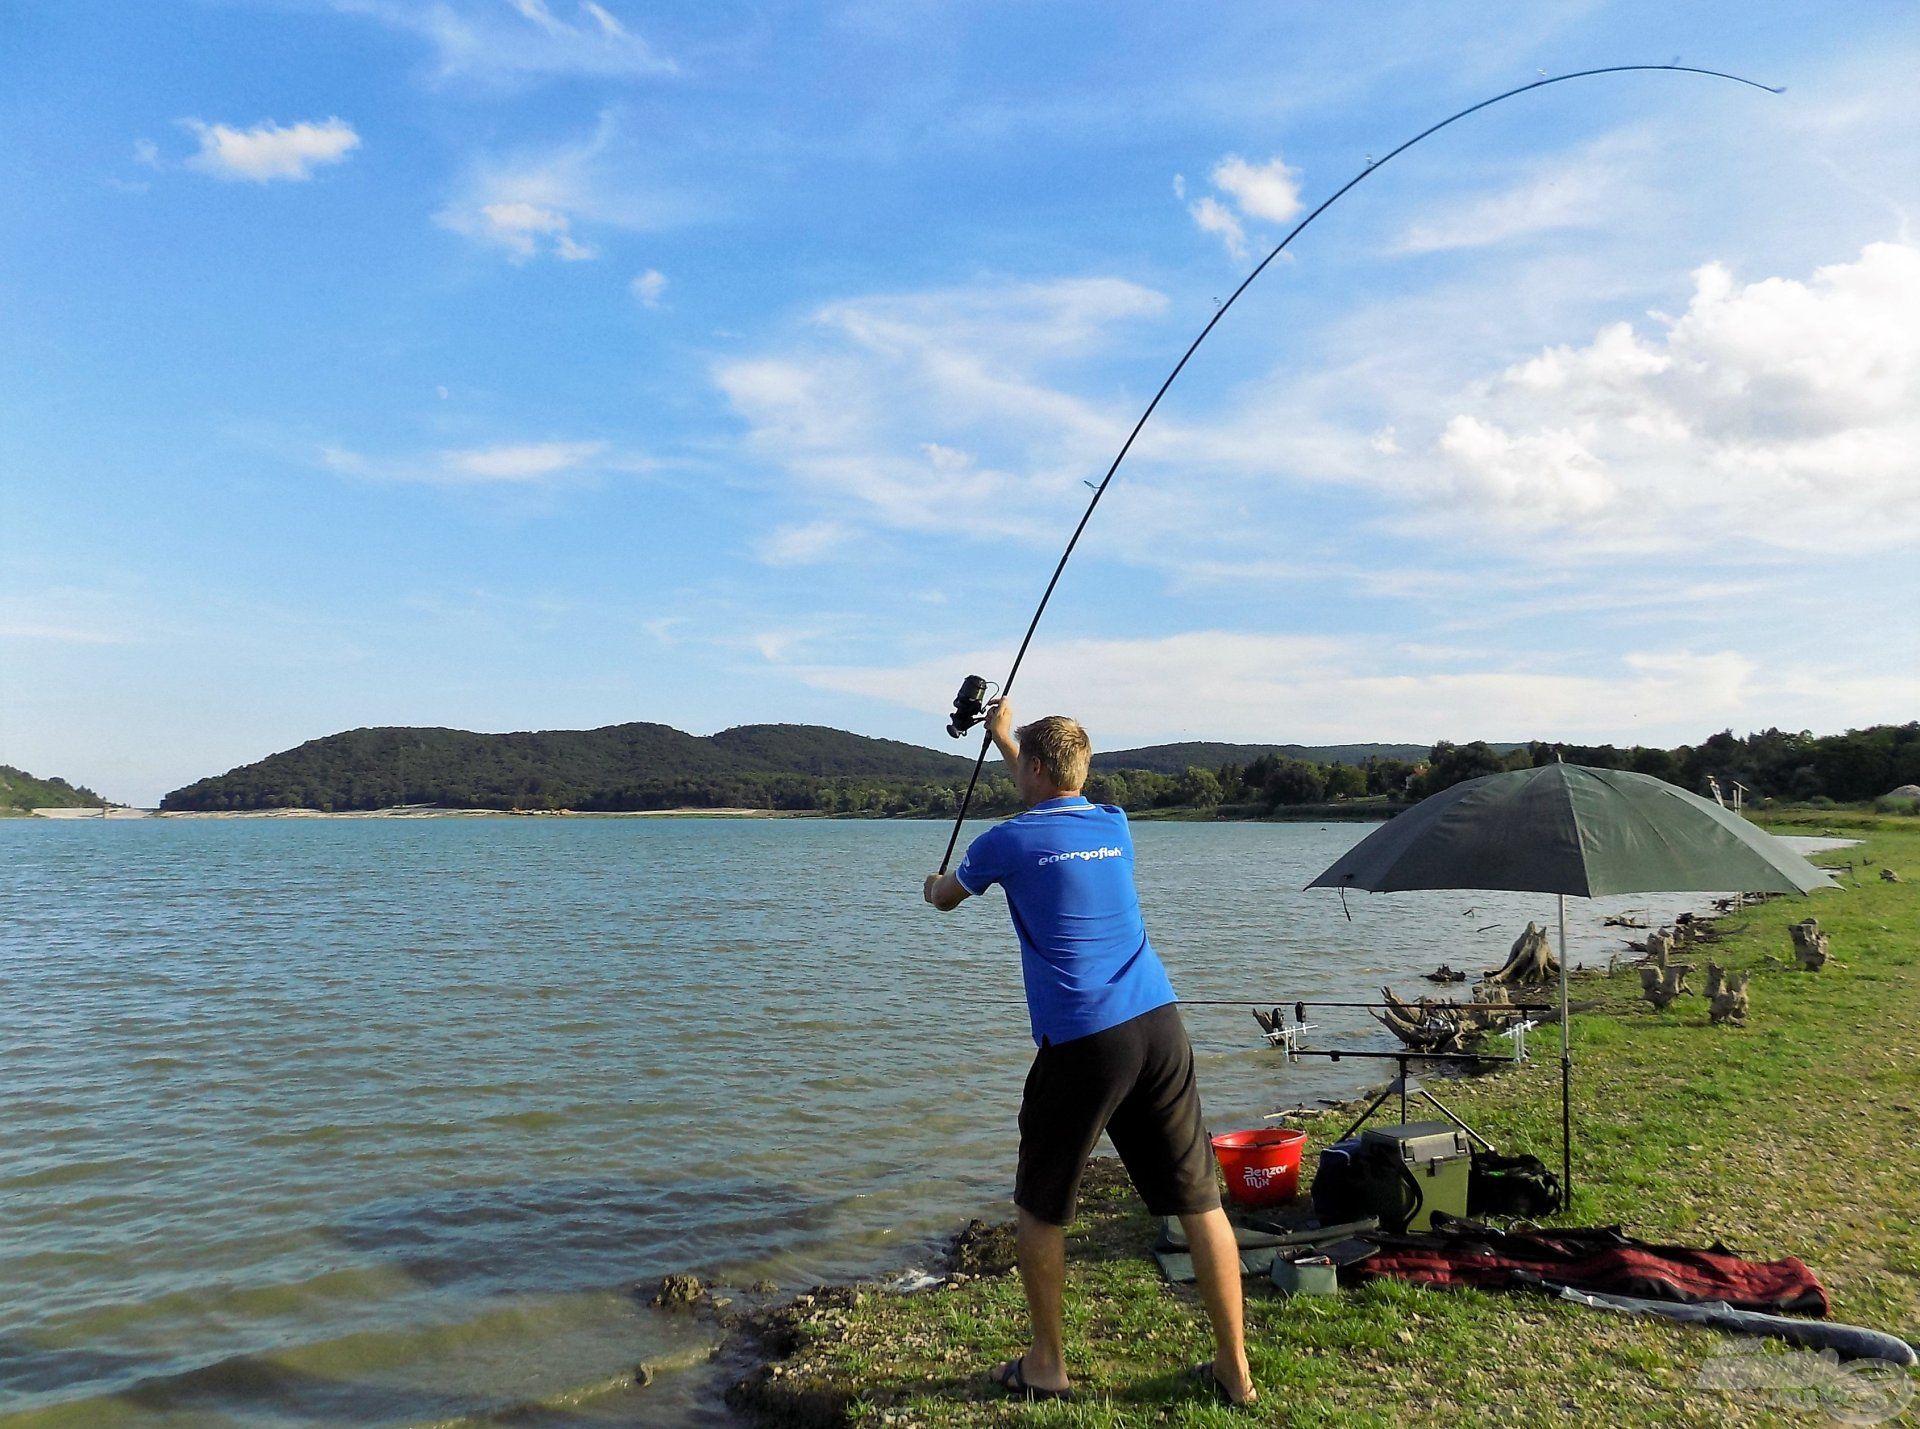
{"x":270,"y":151}
{"x":775,"y":645}
{"x":805,"y":544}
{"x":1779,"y":411}
{"x":1587,"y":189}
{"x":648,"y":287}
{"x":522,"y":461}
{"x":1216,"y":218}
{"x":535,"y":201}
{"x":497,"y":43}
{"x":1269,"y":191}
{"x":661,"y":627}
{"x":146,"y":153}
{"x":54,"y":634}
{"x":504,"y":464}
{"x":342,"y":460}
{"x":523,"y":229}
{"x":893,"y":400}
{"x":63,"y":615}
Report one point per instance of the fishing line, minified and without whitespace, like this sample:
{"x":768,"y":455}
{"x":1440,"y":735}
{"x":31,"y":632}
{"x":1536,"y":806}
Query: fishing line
{"x":1373,"y":165}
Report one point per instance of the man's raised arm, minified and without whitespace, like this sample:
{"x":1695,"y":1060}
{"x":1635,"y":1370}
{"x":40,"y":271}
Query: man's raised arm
{"x":944,"y":891}
{"x":1000,"y":730}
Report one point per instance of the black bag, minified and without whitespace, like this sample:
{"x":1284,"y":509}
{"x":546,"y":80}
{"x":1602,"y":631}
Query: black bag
{"x":1351,"y":1185}
{"x":1512,"y":1186}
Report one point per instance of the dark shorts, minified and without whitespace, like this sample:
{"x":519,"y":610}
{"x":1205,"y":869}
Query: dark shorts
{"x":1134,"y":1082}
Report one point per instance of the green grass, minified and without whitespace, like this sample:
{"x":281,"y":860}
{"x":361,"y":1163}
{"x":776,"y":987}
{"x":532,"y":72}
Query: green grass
{"x":1794,"y":1135}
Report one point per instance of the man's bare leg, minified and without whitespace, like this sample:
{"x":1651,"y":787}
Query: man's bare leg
{"x":1216,"y":1266}
{"x":1042,"y":1249}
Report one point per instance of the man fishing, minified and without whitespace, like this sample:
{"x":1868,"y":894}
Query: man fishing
{"x":1113,"y":1054}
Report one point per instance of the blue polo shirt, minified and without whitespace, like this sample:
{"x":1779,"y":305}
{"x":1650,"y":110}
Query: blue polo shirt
{"x":1067,"y":867}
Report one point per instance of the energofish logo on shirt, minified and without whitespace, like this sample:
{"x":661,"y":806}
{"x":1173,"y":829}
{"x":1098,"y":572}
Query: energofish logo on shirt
{"x":1089,"y":853}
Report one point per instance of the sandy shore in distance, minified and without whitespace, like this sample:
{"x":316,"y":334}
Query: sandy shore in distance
{"x":95,"y":814}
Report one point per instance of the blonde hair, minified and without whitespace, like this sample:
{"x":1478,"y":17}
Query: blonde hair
{"x":1061,"y":749}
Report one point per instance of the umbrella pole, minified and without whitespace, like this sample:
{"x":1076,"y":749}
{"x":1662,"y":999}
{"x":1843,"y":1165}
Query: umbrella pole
{"x":1566,"y":1072}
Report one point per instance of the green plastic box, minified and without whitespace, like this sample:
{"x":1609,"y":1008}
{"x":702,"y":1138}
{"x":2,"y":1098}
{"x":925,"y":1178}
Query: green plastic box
{"x":1432,"y":1156}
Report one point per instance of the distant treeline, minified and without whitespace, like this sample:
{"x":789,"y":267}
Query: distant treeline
{"x":1855,"y":767}
{"x":620,"y":769}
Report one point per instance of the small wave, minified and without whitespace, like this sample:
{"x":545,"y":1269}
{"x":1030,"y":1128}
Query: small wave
{"x":528,"y":1120}
{"x":913,"y":1281}
{"x":64,"y":1172}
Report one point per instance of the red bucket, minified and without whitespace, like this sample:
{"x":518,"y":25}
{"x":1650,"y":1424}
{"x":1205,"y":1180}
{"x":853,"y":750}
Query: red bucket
{"x":1262,"y":1167}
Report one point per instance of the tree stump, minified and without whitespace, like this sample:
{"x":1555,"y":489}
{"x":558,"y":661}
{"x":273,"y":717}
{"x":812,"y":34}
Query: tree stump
{"x":1726,"y":996}
{"x":1661,"y":985}
{"x":1530,"y":962}
{"x":1660,"y":942}
{"x":1443,"y":1025}
{"x":1272,"y":1024}
{"x":1810,"y":945}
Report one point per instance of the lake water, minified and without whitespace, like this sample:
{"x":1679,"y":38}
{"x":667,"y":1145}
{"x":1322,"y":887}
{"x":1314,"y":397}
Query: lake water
{"x":379,"y":1122}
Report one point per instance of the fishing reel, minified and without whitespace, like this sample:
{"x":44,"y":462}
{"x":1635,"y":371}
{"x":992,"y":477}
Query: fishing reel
{"x":969,"y":706}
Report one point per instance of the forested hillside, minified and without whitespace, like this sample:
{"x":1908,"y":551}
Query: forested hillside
{"x":21,"y":793}
{"x":624,"y":766}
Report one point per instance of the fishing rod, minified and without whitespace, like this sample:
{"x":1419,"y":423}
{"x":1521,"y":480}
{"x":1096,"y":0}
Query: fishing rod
{"x":969,"y":705}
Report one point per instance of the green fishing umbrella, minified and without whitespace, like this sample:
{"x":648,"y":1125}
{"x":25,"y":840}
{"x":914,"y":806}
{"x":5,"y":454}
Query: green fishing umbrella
{"x":1570,"y":829}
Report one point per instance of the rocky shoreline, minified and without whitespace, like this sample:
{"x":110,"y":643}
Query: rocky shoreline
{"x":763,"y":1365}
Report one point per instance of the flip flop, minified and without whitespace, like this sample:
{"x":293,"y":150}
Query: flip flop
{"x":1012,"y":1377}
{"x":1202,"y":1374}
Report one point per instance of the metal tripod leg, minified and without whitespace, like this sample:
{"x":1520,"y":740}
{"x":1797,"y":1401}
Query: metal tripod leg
{"x":1398,"y":1084}
{"x":1447,"y":1112}
{"x":1407,"y":1087}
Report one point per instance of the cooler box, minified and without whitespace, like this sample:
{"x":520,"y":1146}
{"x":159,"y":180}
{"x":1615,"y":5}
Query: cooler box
{"x":1424,"y":1165}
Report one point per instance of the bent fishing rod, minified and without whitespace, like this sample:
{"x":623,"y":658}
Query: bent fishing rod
{"x":969,"y":704}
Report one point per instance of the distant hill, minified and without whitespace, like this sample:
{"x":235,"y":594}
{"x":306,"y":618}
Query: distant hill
{"x":1205,"y":754}
{"x":21,"y":793}
{"x":622,"y":766}
{"x":818,"y":750}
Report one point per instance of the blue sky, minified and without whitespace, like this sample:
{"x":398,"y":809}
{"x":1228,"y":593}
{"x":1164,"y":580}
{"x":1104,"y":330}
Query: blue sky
{"x":529,"y":363}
